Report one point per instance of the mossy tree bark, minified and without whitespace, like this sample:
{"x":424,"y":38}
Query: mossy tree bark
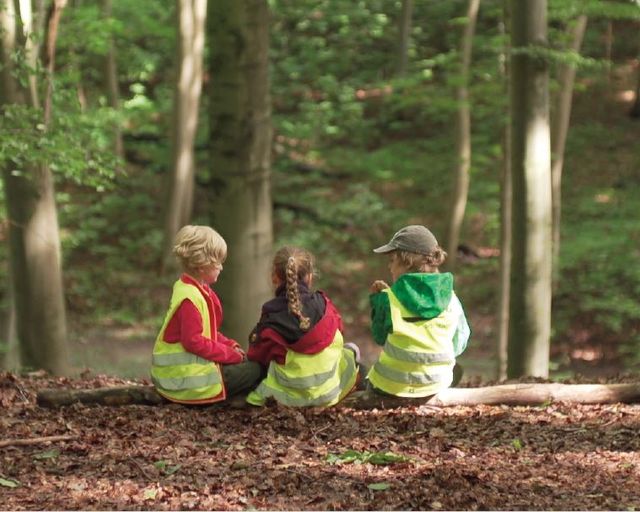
{"x":463,"y":138}
{"x":240,"y":140}
{"x":506,"y":202}
{"x":530,"y":300}
{"x":404,"y":36}
{"x":559,"y":131}
{"x":34,"y":240}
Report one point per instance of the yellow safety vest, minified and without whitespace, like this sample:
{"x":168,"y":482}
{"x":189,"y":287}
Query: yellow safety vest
{"x":181,"y":376}
{"x":309,"y":380}
{"x":417,"y":358}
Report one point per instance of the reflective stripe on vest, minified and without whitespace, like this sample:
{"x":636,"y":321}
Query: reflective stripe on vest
{"x":408,"y":377}
{"x":303,"y":382}
{"x":180,"y":375}
{"x":309,"y":380}
{"x":417,"y":358}
{"x":182,"y":383}
{"x":178,"y":358}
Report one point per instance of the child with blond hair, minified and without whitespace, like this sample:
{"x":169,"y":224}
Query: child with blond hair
{"x":193,"y":362}
{"x":418,"y":320}
{"x":298,"y":340}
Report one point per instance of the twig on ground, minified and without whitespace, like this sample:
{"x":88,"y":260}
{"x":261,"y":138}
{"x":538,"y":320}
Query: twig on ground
{"x":142,"y":470}
{"x":34,"y":440}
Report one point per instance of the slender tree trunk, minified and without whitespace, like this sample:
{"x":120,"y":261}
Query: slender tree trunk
{"x":111,"y":81}
{"x":608,"y":52}
{"x":505,"y":224}
{"x":559,"y":132}
{"x":635,"y":109}
{"x":463,"y":138}
{"x":404,"y":38}
{"x":240,"y":138}
{"x":34,"y":241}
{"x":191,"y":34}
{"x":530,"y":301}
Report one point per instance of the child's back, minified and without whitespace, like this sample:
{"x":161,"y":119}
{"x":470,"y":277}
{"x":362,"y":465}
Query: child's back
{"x":298,"y":340}
{"x":419,"y":320}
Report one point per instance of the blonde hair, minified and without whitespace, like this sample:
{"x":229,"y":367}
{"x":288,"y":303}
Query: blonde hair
{"x":415,"y":262}
{"x":290,"y":265}
{"x":196,"y":247}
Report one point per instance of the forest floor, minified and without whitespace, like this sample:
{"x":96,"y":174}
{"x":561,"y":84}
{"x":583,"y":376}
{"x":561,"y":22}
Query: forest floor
{"x":553,"y":457}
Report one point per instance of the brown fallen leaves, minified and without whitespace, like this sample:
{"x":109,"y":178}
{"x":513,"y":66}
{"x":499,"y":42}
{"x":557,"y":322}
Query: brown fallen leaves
{"x":557,"y":457}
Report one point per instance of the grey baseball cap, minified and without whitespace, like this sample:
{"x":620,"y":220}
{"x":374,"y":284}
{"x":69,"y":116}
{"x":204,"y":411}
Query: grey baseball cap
{"x":414,"y":238}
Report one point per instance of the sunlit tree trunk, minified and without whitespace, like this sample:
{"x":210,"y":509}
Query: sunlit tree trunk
{"x":559,"y":132}
{"x":240,"y":139}
{"x":34,"y":240}
{"x":463,"y":138}
{"x":191,"y":35}
{"x":505,"y":223}
{"x":530,"y":301}
{"x":404,"y":30}
{"x":111,"y":81}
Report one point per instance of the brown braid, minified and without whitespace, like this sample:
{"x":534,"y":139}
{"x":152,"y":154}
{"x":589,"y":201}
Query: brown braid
{"x":292,"y":264}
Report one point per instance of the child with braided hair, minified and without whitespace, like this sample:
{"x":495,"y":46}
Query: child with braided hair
{"x":298,"y":340}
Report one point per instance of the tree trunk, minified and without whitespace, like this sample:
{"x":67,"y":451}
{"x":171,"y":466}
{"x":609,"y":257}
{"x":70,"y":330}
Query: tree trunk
{"x":530,"y":301}
{"x":463,"y":138}
{"x":404,"y":38}
{"x":559,"y":136}
{"x":34,"y":241}
{"x":186,"y":101}
{"x":111,"y":82}
{"x":240,"y":139}
{"x":635,"y":110}
{"x":506,"y":394}
{"x":505,"y":226}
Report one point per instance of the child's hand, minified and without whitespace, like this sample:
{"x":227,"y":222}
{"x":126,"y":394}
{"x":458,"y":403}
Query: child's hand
{"x":378,"y":286}
{"x":239,"y":350}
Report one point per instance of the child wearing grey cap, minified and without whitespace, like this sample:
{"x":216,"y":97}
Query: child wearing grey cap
{"x":418,"y":320}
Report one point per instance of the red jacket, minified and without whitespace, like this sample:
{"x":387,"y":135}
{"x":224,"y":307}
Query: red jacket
{"x":186,"y":327}
{"x":271,"y":345}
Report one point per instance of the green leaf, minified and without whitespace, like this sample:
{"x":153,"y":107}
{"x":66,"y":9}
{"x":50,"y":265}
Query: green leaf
{"x":517,"y":444}
{"x":172,"y":469}
{"x":150,"y":494}
{"x":356,"y":457}
{"x":160,"y":464}
{"x":385,"y":458}
{"x":9,"y":483}
{"x":381,"y":486}
{"x":49,"y":454}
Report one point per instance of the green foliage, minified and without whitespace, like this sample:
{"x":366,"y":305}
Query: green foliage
{"x":366,"y":457}
{"x":77,"y":146}
{"x":9,"y":482}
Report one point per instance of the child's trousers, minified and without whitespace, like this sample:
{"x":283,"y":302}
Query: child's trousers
{"x":241,"y":377}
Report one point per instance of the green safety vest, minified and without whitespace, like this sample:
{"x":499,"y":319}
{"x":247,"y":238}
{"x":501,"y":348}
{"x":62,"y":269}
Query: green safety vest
{"x":417,"y":358}
{"x":177,"y":374}
{"x":309,"y":380}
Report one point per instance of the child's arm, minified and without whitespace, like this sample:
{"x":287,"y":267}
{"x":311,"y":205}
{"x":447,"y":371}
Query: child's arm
{"x":381,"y":324}
{"x":267,"y":346}
{"x":461,"y":336}
{"x":186,"y":327}
{"x":217,"y":309}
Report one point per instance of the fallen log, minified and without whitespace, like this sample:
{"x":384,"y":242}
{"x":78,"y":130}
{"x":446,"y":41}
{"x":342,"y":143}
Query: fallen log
{"x":505,"y":394}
